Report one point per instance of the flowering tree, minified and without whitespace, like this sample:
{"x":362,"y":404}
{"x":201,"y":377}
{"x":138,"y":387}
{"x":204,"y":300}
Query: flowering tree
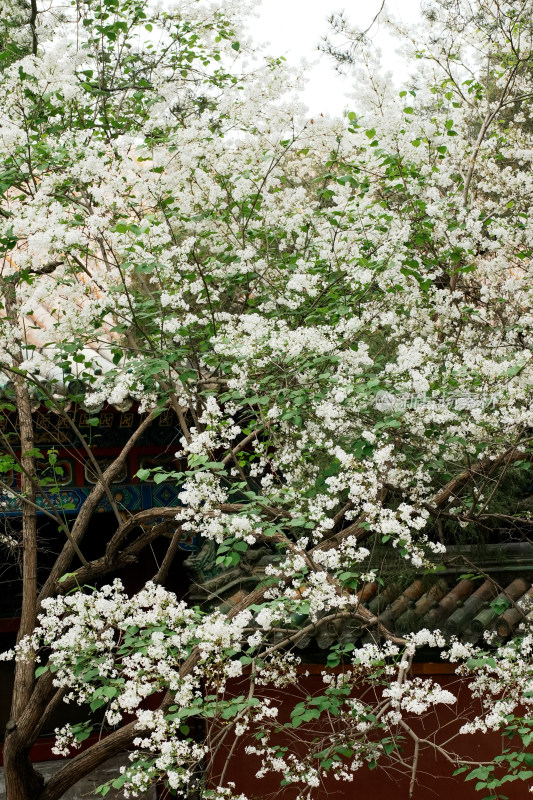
{"x":337,"y":311}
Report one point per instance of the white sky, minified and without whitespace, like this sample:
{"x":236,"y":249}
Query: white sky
{"x":294,"y":28}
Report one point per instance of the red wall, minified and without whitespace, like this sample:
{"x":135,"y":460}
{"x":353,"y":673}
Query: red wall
{"x":388,"y":781}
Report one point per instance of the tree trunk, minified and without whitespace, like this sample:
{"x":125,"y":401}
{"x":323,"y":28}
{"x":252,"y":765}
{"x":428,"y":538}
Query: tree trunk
{"x":23,"y":782}
{"x":24,"y":670}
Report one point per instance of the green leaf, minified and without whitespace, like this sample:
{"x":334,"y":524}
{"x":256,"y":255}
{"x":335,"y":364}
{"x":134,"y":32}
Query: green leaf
{"x":241,"y":546}
{"x":66,"y":576}
{"x":482,"y":772}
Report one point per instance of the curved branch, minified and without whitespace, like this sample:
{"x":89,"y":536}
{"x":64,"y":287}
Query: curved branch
{"x":87,"y":510}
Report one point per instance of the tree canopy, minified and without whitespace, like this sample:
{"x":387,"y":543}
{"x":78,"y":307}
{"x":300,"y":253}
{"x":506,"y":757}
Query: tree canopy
{"x":339,"y":313}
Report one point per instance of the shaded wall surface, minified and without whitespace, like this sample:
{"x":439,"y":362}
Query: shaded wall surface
{"x":389,"y":780}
